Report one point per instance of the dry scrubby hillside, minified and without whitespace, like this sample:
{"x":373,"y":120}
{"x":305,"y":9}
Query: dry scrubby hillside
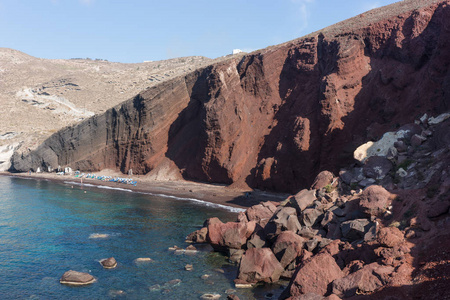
{"x":274,"y":118}
{"x":40,"y":96}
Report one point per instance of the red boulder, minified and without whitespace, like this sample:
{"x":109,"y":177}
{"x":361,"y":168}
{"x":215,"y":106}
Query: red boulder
{"x":374,"y":200}
{"x":259,"y":265}
{"x":390,"y":237}
{"x":314,"y":275}
{"x":368,"y":279}
{"x":234,"y":235}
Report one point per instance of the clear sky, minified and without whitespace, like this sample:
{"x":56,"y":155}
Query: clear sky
{"x":138,"y":30}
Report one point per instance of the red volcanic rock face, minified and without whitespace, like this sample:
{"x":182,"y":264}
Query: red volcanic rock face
{"x":275,"y":118}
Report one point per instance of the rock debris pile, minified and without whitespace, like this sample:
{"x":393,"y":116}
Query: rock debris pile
{"x":347,"y":235}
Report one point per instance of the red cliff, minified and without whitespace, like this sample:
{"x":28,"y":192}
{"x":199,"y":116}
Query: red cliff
{"x":276,"y":117}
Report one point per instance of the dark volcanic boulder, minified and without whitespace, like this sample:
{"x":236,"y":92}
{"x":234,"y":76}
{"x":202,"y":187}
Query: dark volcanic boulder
{"x":377,"y":167}
{"x":258,"y":239}
{"x":314,"y":275}
{"x":259,"y":265}
{"x":355,"y":229}
{"x":287,"y":247}
{"x":285,"y":218}
{"x":109,"y":263}
{"x":303,"y":199}
{"x":309,"y":216}
{"x":76,"y":278}
{"x":261,"y":213}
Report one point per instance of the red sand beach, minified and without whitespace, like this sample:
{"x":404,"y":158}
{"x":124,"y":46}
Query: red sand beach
{"x":218,"y":194}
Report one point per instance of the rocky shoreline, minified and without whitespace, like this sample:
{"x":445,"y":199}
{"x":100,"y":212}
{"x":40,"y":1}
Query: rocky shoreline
{"x":368,"y":231}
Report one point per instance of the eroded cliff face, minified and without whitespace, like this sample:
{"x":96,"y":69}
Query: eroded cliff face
{"x":275,"y":118}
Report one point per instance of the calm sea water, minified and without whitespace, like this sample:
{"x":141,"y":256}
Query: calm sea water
{"x":48,"y":228}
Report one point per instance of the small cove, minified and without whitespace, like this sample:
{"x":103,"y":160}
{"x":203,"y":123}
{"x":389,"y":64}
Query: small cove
{"x":47,"y":228}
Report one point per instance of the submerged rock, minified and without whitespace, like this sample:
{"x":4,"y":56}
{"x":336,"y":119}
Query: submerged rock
{"x":109,"y":263}
{"x":210,"y":296}
{"x":143,"y":260}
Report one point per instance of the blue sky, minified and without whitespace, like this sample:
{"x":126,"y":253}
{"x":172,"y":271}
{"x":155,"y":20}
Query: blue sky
{"x":138,"y":30}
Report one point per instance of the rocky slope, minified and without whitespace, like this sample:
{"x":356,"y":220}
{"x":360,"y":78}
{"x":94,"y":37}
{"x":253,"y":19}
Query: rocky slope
{"x":40,"y":96}
{"x":335,"y":240}
{"x":274,"y":118}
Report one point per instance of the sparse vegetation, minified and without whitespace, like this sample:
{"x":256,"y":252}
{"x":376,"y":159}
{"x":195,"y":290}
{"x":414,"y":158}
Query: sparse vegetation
{"x":395,"y":224}
{"x":354,"y":185}
{"x":432,"y":191}
{"x":405,"y":164}
{"x":328,"y":188}
{"x":410,"y":212}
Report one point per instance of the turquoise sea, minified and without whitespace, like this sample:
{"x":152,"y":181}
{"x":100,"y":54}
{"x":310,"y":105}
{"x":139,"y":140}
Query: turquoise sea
{"x":47,"y":228}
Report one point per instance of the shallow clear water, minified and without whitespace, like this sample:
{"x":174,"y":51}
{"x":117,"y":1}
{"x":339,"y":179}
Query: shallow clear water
{"x":48,"y":228}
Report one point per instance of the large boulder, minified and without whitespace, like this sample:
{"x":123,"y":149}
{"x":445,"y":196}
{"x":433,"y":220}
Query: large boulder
{"x":390,"y":237}
{"x":303,"y":199}
{"x":222,"y":236}
{"x":368,"y":279}
{"x":309,"y":216}
{"x":259,"y":265}
{"x":355,"y":229}
{"x":287,"y":247}
{"x":322,"y":179}
{"x":210,"y":221}
{"x":258,"y":239}
{"x":285,"y":218}
{"x":76,"y":278}
{"x":374,"y":200}
{"x":314,"y":275}
{"x":261,"y":213}
{"x":377,"y":167}
{"x":351,"y":176}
